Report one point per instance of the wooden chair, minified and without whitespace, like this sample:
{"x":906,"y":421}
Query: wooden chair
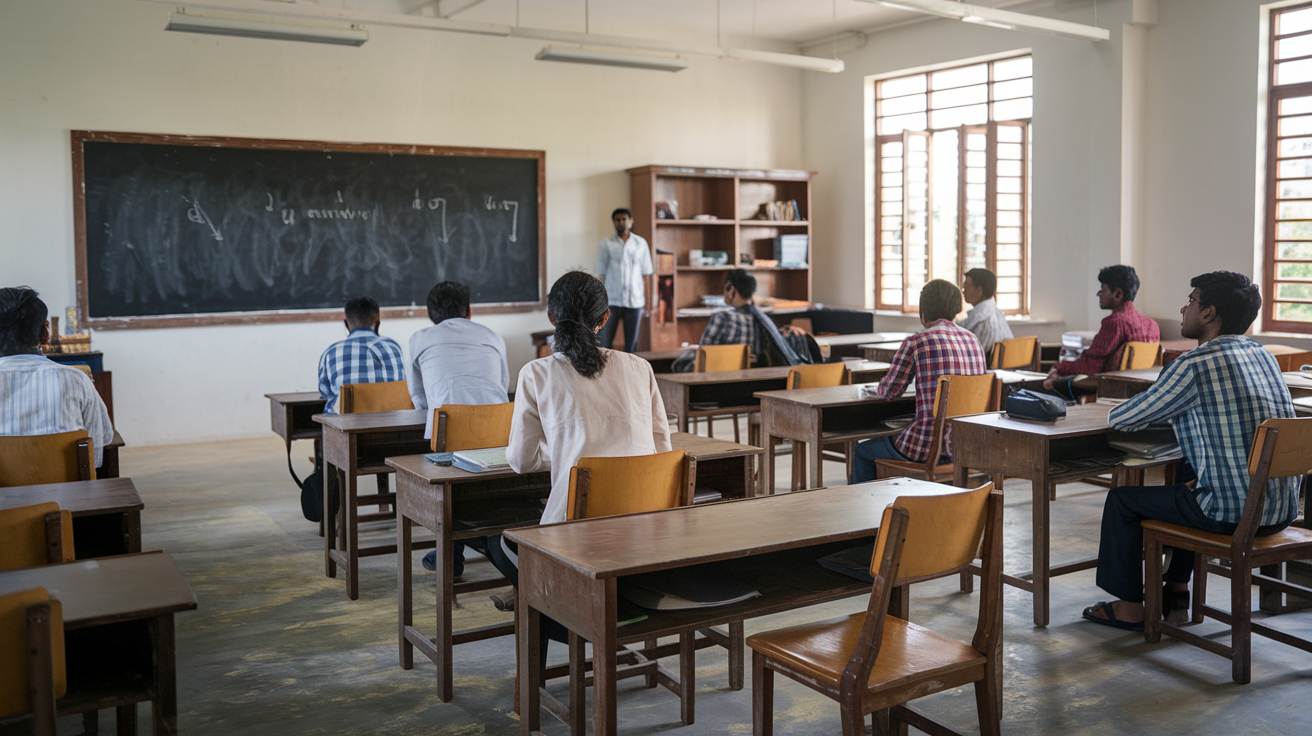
{"x":1280,"y":450}
{"x":1139,"y":355}
{"x":471,"y":427}
{"x":362,"y":398}
{"x":41,"y":534}
{"x":32,"y":658}
{"x":712,"y":359}
{"x":47,"y":458}
{"x":820,"y":375}
{"x":1018,"y":352}
{"x":957,"y":396}
{"x":873,"y":662}
{"x":606,"y":486}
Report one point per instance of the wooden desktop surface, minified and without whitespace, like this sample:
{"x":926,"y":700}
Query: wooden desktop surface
{"x":1148,"y":375}
{"x":108,"y":589}
{"x":80,"y":498}
{"x":117,"y":442}
{"x":296,"y":397}
{"x":1080,"y":420}
{"x":857,"y":367}
{"x":864,"y":338}
{"x":374,"y":420}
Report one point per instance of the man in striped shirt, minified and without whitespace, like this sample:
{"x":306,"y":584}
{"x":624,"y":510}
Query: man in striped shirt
{"x":363,"y":357}
{"x":941,"y":349}
{"x":1214,"y":396}
{"x":37,"y":395}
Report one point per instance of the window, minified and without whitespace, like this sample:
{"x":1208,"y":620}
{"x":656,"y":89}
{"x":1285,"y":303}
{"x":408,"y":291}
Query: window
{"x":1288,"y":252}
{"x":952,"y":171}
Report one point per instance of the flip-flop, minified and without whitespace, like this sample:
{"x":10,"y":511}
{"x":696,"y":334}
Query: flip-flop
{"x":1111,"y":619}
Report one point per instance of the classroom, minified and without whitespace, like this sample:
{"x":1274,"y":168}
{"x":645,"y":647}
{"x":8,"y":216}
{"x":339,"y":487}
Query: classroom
{"x":900,"y":144}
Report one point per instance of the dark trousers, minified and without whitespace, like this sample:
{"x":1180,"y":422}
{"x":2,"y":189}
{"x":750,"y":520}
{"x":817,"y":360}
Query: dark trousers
{"x":632,"y":319}
{"x":865,"y":455}
{"x":1120,"y":551}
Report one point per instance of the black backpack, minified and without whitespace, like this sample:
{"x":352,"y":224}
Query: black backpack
{"x":312,"y":490}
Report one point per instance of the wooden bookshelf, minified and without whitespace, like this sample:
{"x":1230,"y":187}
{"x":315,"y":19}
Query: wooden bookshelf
{"x":732,"y":197}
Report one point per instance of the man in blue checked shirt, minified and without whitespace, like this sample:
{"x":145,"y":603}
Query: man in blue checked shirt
{"x":1214,"y":396}
{"x":363,"y":357}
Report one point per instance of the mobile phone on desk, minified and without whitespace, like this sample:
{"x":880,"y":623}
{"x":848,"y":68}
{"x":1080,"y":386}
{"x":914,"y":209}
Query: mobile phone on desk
{"x":440,"y":458}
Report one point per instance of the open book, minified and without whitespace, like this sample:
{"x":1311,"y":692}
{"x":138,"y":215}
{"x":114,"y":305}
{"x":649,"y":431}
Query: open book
{"x":481,"y":461}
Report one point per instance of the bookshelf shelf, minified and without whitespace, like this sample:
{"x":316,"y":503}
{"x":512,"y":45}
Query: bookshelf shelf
{"x":733,"y":197}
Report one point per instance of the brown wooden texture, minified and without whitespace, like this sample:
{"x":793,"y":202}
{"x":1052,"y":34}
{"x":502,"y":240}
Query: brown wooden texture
{"x":78,"y":137}
{"x":109,"y":589}
{"x":292,"y":415}
{"x":106,"y":512}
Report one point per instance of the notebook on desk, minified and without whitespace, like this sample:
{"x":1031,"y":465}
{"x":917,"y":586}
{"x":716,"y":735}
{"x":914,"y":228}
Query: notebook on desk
{"x":481,"y":461}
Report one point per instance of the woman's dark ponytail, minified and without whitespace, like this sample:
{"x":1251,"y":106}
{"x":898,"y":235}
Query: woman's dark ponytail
{"x":576,"y":303}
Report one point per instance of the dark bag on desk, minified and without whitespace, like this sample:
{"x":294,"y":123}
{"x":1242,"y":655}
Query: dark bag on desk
{"x":1027,"y":404}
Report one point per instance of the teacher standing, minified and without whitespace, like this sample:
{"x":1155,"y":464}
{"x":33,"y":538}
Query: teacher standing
{"x":623,"y":264}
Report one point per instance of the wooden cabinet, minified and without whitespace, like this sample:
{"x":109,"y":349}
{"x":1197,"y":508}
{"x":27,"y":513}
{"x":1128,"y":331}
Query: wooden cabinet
{"x":732,"y":198}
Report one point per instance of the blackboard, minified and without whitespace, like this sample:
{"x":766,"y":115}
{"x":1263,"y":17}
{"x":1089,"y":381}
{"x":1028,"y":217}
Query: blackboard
{"x":181,"y":230}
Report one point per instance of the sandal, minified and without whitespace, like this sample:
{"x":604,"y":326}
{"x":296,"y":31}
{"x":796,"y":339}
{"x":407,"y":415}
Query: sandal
{"x":1110,"y":620}
{"x":503,"y":603}
{"x":1175,"y":606}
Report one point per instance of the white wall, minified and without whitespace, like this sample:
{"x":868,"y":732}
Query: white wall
{"x":108,"y":65}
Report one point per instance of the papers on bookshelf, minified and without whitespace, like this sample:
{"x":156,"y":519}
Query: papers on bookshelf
{"x":481,"y":461}
{"x":672,"y":590}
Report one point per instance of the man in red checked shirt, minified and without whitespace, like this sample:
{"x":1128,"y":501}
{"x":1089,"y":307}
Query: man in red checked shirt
{"x":1120,"y":284}
{"x":943,"y":348}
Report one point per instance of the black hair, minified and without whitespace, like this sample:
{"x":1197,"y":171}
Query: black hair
{"x":984,"y":279}
{"x":577,"y":303}
{"x":940,"y":299}
{"x":21,"y":315}
{"x":447,"y":300}
{"x":1120,"y":277}
{"x":1236,"y":298}
{"x":361,"y":311}
{"x":742,"y":282}
{"x":621,"y":211}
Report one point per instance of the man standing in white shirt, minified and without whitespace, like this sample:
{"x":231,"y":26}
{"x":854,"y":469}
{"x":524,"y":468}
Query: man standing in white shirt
{"x":984,"y":319}
{"x":37,"y":395}
{"x":623,"y":264}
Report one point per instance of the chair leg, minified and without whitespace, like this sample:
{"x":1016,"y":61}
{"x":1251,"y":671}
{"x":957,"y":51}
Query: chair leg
{"x":1052,"y":491}
{"x":710,"y":427}
{"x":737,"y":438}
{"x":578,"y":696}
{"x":126,"y":719}
{"x":383,"y":488}
{"x":1152,"y":587}
{"x":687,"y":675}
{"x":1241,"y":613}
{"x":762,"y":696}
{"x":90,"y":722}
{"x":1200,"y":586}
{"x":968,"y":582}
{"x":648,"y":650}
{"x":986,"y":702}
{"x":736,"y":636}
{"x":854,"y":721}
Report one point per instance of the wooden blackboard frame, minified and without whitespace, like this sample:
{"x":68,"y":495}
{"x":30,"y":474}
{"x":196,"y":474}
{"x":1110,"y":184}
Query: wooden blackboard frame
{"x":79,"y":137}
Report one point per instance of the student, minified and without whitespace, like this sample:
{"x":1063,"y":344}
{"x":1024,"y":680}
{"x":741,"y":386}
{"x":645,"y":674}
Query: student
{"x":1214,"y":396}
{"x":1119,"y":285}
{"x":624,"y":263}
{"x":37,"y":395}
{"x":743,"y":324}
{"x":984,"y":319}
{"x":943,"y":348}
{"x":455,"y":361}
{"x":363,"y":357}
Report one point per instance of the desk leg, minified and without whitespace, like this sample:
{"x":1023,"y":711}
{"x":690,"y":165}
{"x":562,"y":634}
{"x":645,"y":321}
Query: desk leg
{"x":603,"y":657}
{"x":352,"y":531}
{"x":132,"y":531}
{"x":164,"y":711}
{"x":404,"y":591}
{"x":1040,"y":543}
{"x":445,"y":596}
{"x":767,"y":471}
{"x":815,"y":451}
{"x":330,"y":491}
{"x":527,"y":621}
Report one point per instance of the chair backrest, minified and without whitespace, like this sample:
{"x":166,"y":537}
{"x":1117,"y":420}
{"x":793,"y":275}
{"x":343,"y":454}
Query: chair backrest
{"x":942,"y":534}
{"x":47,"y":458}
{"x":471,"y":426}
{"x":958,"y":396}
{"x":360,"y":398}
{"x":35,"y":535}
{"x":1139,"y":355}
{"x":712,"y":358}
{"x":1280,"y":450}
{"x":1018,"y":352}
{"x":32,"y":656}
{"x":605,"y":486}
{"x":820,"y":375}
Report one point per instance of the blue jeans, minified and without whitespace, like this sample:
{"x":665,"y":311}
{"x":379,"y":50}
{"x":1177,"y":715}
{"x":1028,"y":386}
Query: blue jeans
{"x":863,"y":459}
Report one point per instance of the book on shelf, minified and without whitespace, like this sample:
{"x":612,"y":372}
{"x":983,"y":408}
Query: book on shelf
{"x":486,"y":460}
{"x":672,"y":590}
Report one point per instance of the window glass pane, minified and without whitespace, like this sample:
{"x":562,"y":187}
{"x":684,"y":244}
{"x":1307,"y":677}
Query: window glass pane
{"x":1009,"y":251}
{"x":1013,"y":68}
{"x":902,"y":86}
{"x":894,"y":238}
{"x":946,"y":148}
{"x":1009,"y":168}
{"x":1295,"y":189}
{"x":892,"y":179}
{"x":893,"y":254}
{"x":975,"y":193}
{"x":1008,"y":268}
{"x":1294,"y":211}
{"x":1008,"y":235}
{"x":1301,"y":125}
{"x":960,"y":96}
{"x":891,"y":164}
{"x":976,"y":142}
{"x":1294,"y":250}
{"x":1296,"y":146}
{"x":1294,"y":72}
{"x":975,"y":159}
{"x":1008,"y":219}
{"x":899,"y":123}
{"x":1015,"y":88}
{"x":893,"y":148}
{"x":892,"y":194}
{"x":1009,"y":150}
{"x":891,"y":297}
{"x":902,"y":105}
{"x":1296,"y":46}
{"x":1009,"y":285}
{"x":891,"y":223}
{"x":1008,"y":302}
{"x":1014,"y":109}
{"x":918,"y":143}
{"x":1294,"y":168}
{"x":1294,"y":21}
{"x":891,"y":209}
{"x":1296,"y":230}
{"x":1294,"y":271}
{"x":1009,"y":133}
{"x":960,"y":77}
{"x":1294,"y":291}
{"x":957,"y":116}
{"x":915,"y":191}
{"x":1010,"y":185}
{"x":975,"y":176}
{"x":1296,"y":105}
{"x":893,"y":280}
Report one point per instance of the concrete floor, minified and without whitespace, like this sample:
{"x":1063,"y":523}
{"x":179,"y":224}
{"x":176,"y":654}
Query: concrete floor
{"x":276,"y":648}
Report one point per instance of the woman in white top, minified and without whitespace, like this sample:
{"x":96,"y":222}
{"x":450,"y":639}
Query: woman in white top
{"x":583,"y":400}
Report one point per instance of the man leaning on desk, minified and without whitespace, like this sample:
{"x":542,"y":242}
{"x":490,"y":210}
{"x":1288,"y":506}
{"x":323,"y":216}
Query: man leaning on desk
{"x":1214,"y":396}
{"x":743,"y":323}
{"x":37,"y":395}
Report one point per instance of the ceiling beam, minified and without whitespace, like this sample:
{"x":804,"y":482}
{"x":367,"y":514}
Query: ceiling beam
{"x":1005,"y":19}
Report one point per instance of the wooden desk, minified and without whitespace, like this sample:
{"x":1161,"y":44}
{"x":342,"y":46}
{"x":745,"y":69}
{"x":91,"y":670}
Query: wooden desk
{"x":109,"y":458}
{"x":356,"y":445}
{"x":292,"y":415}
{"x":738,"y":388}
{"x":454,"y":504}
{"x":882,"y":351}
{"x":662,"y":361}
{"x":106,"y":512}
{"x":998,"y":445}
{"x":571,"y":571}
{"x":849,"y":346}
{"x":139,"y":592}
{"x":1299,"y":383}
{"x":1124,"y":384}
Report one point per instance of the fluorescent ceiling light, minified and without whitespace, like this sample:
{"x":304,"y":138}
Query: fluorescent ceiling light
{"x":256,"y":29}
{"x":995,"y":18}
{"x":612,"y":58}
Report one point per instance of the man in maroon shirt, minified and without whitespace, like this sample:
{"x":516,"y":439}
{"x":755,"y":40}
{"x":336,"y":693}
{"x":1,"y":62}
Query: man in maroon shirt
{"x":1120,"y":284}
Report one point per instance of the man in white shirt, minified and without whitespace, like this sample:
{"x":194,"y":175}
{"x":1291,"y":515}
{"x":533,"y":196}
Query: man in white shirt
{"x":623,"y":264}
{"x":37,"y":395}
{"x":985,"y":319}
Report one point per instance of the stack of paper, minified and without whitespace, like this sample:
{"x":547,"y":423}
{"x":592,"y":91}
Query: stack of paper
{"x":481,"y":461}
